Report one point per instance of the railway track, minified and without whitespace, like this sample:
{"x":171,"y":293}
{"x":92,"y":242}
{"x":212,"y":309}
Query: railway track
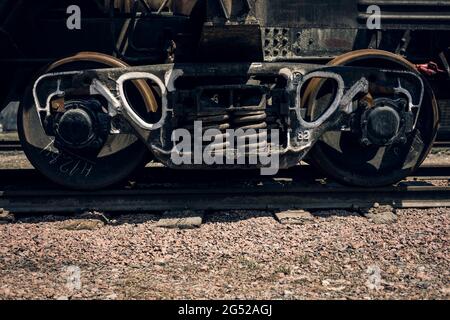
{"x":159,"y":189}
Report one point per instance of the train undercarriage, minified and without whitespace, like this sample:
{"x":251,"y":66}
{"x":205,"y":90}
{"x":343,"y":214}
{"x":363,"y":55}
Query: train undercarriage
{"x":245,"y":84}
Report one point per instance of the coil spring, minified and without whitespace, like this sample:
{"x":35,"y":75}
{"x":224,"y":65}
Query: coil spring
{"x":245,"y":118}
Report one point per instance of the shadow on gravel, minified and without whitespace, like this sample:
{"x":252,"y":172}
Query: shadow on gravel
{"x":234,"y":216}
{"x":94,"y":221}
{"x":335,"y":213}
{"x":29,"y":179}
{"x":107,"y":219}
{"x":240,"y":215}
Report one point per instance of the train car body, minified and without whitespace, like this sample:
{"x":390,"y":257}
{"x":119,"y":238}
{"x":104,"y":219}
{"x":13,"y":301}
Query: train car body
{"x":356,"y":86}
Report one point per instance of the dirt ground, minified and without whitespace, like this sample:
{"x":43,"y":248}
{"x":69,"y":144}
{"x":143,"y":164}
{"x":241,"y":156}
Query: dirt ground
{"x":233,"y":255}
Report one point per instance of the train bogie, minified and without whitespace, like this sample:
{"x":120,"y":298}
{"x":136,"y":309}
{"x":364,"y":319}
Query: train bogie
{"x":241,"y":84}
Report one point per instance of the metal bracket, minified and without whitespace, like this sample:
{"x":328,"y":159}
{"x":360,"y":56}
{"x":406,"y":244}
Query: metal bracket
{"x":411,"y":105}
{"x":361,"y":86}
{"x":128,"y":110}
{"x":333,"y":107}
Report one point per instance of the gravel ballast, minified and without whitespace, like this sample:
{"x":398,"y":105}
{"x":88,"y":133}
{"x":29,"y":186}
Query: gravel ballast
{"x":233,"y":255}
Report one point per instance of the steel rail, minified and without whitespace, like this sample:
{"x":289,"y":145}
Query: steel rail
{"x":270,"y":195}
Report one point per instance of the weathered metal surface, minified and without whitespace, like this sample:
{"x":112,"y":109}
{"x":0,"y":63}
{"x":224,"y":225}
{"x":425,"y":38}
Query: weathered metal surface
{"x":189,"y":32}
{"x":231,"y":30}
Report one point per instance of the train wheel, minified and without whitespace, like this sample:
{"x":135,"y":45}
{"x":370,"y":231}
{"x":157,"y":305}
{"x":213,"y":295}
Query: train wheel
{"x":341,"y":154}
{"x":111,"y":162}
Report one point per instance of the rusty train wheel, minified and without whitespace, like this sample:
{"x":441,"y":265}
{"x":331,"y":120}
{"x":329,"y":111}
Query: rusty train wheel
{"x":341,"y":154}
{"x":115,"y":160}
